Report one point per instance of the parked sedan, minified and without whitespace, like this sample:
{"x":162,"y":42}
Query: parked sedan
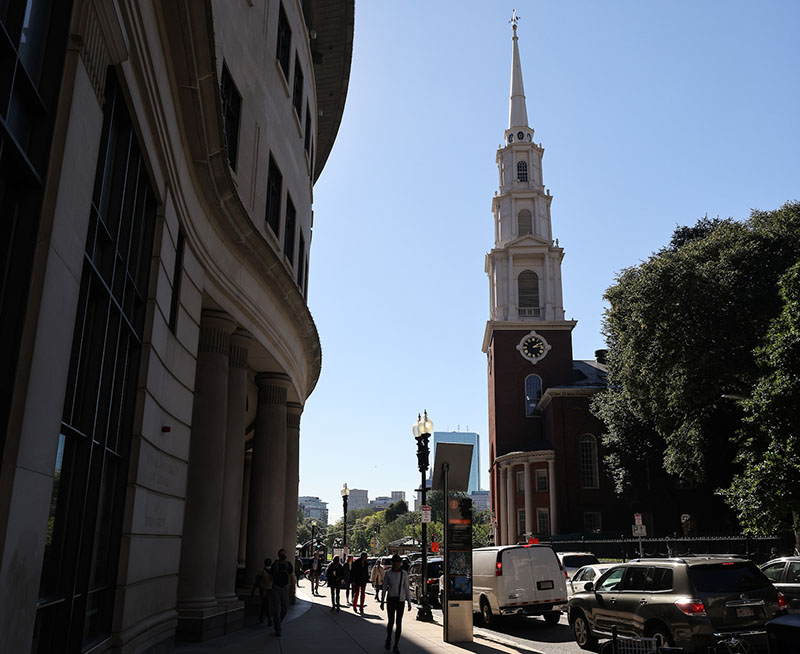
{"x":587,"y":573}
{"x":573,"y":561}
{"x":784,"y":573}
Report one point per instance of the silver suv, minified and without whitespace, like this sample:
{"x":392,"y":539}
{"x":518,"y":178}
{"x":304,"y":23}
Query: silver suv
{"x":691,"y":603}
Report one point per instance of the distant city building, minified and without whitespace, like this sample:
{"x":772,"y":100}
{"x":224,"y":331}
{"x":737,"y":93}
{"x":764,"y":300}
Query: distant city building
{"x":398,"y":496}
{"x":470,"y":438}
{"x":358,"y":499}
{"x":313,"y":508}
{"x":480,"y":500}
{"x":381,"y":503}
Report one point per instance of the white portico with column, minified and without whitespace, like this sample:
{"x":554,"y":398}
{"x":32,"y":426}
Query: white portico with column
{"x":538,"y":498}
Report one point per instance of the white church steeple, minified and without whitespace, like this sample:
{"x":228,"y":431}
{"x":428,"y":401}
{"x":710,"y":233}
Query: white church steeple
{"x":524,"y":267}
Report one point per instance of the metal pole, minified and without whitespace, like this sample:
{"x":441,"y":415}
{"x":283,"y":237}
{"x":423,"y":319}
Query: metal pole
{"x":424,"y":613}
{"x":344,"y":539}
{"x":446,"y":493}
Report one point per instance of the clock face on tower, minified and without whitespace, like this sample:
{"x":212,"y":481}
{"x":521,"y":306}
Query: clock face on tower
{"x":533,"y":347}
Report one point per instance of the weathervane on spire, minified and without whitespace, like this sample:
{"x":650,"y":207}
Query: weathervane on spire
{"x":514,"y":20}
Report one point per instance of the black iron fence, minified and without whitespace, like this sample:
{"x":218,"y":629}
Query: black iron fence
{"x":758,"y":549}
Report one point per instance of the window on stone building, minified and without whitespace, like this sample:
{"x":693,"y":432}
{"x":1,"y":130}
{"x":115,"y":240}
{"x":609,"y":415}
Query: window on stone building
{"x":177,"y":276}
{"x":522,"y":171}
{"x":82,"y":544}
{"x":528,"y":290}
{"x":541,"y":481}
{"x":284,"y":46}
{"x":297,"y":92}
{"x":588,"y":457}
{"x":288,"y":232}
{"x":274,"y":192}
{"x":301,"y":261}
{"x":525,"y":221}
{"x":543,"y":522}
{"x":231,"y":111}
{"x":592,"y":522}
{"x":521,"y":522}
{"x":533,"y":393}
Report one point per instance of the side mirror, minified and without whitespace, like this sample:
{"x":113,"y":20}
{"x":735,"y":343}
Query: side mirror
{"x":588,"y":586}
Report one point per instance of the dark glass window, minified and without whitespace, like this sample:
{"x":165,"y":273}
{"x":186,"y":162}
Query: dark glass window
{"x":231,"y":111}
{"x":297,"y":93}
{"x":533,"y":393}
{"x":76,"y":598}
{"x":635,"y":578}
{"x":288,"y":233}
{"x":522,"y":171}
{"x":301,"y":261}
{"x":177,"y":276}
{"x":727,"y":577}
{"x":307,"y":142}
{"x":660,"y":579}
{"x":284,"y":46}
{"x":274,"y":191}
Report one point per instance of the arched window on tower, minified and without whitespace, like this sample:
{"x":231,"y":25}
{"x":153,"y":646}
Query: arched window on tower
{"x":590,"y":477}
{"x":522,"y":171}
{"x":533,"y":393}
{"x":528,"y":286}
{"x":525,"y":221}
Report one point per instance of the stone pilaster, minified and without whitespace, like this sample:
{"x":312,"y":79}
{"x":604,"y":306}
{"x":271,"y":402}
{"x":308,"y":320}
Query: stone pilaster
{"x":248,"y":459}
{"x":502,"y":527}
{"x":199,"y":618}
{"x":293,"y":412}
{"x":551,"y":488}
{"x":225,"y":588}
{"x":511,"y":526}
{"x":267,"y":473}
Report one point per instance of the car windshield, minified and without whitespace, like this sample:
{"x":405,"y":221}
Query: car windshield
{"x":727,"y":577}
{"x":578,"y":560}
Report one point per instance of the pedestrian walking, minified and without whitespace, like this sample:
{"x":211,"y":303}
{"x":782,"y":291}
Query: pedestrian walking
{"x":334,"y":575}
{"x":377,"y":578}
{"x":359,"y":576}
{"x":264,"y":587}
{"x":283,"y":581}
{"x":395,"y":590}
{"x":348,"y":568}
{"x":314,"y":572}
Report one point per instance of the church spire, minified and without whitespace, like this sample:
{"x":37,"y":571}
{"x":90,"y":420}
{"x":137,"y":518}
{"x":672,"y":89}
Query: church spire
{"x":517,"y":112}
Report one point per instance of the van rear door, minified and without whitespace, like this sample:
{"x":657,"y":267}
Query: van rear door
{"x":548,"y":584}
{"x":516,"y":582}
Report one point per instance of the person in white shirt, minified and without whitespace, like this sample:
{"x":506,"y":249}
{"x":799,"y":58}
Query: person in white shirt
{"x":395,"y":590}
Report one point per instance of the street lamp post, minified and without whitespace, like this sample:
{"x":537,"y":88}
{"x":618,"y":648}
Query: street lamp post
{"x":313,"y":540}
{"x":345,"y":493}
{"x":422,"y":430}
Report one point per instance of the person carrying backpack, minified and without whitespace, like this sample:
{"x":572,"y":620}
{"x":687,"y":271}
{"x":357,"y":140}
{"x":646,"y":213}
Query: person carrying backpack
{"x":377,"y":578}
{"x":283,"y":581}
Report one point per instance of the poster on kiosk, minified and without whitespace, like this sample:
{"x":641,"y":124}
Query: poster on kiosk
{"x":451,"y":475}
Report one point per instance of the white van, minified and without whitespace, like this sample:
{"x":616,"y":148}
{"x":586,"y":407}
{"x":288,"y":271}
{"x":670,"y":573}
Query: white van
{"x":517,"y":579}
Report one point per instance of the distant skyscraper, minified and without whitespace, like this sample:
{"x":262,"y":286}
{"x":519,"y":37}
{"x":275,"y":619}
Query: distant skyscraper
{"x":381,"y":503}
{"x":313,"y":507}
{"x":358,"y":499}
{"x":397,"y":496}
{"x":463,"y":437}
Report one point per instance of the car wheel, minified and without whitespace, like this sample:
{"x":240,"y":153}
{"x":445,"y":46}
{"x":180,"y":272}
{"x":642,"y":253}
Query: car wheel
{"x":552,"y":617}
{"x":487,"y":617}
{"x":661,"y":635}
{"x":582,"y":633}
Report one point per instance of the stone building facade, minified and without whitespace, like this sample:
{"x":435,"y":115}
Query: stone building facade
{"x":157,"y":162}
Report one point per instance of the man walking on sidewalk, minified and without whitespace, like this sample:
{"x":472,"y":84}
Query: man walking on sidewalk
{"x":283,"y":581}
{"x":314,"y":571}
{"x":359,"y":575}
{"x":334,"y":576}
{"x":395,"y":586}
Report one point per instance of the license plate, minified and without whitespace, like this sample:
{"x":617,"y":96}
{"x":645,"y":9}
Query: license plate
{"x":544,"y":585}
{"x":744,"y":611}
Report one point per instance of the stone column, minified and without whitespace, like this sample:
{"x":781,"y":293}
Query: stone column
{"x":293,"y":411}
{"x":551,"y":487}
{"x":530,"y":518}
{"x":197,"y":617}
{"x":248,"y":458}
{"x":267,"y":473}
{"x":502,"y":521}
{"x":511,"y":529}
{"x":234,"y":468}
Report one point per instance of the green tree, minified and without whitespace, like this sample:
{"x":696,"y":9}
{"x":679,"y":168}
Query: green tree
{"x":768,"y":488}
{"x":682,"y":329}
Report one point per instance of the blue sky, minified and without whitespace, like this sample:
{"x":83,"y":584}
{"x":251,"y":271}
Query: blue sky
{"x":651,"y":114}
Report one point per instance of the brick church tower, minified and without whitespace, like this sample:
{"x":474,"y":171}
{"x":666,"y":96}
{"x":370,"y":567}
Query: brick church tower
{"x":545,"y":473}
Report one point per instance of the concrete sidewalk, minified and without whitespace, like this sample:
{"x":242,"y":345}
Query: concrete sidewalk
{"x":311,"y":628}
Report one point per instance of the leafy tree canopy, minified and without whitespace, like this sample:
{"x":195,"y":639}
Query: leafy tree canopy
{"x":683,"y":329}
